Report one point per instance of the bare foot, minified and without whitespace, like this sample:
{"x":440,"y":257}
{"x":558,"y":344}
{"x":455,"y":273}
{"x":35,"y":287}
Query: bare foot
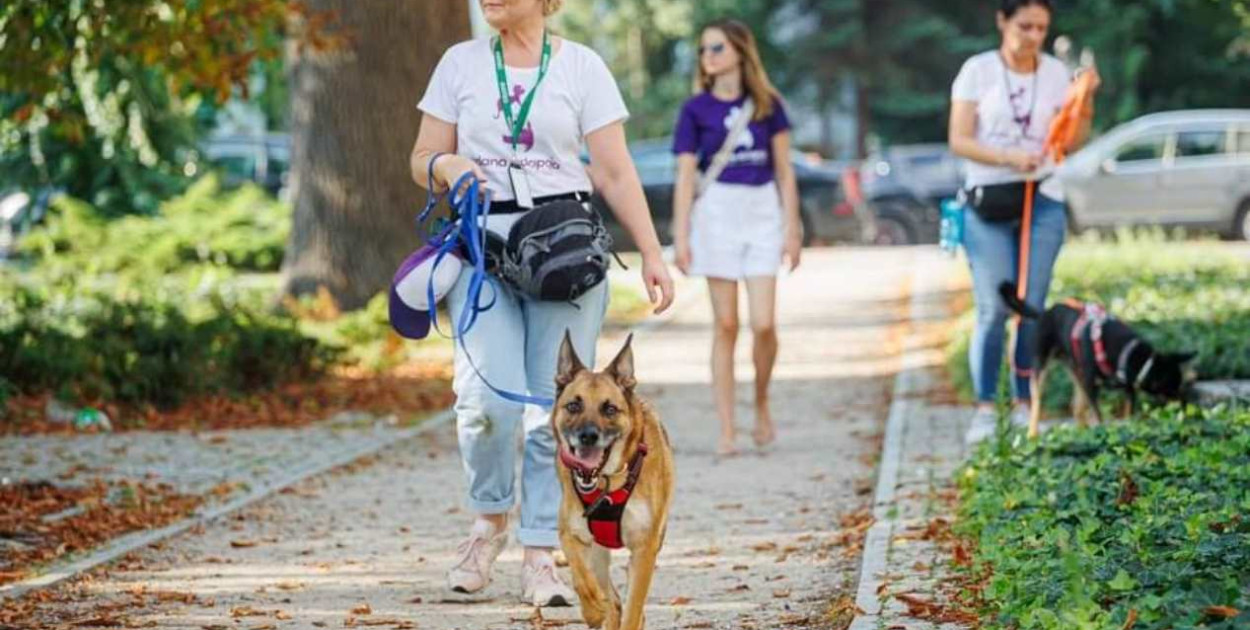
{"x":725,"y":447}
{"x":764,"y":432}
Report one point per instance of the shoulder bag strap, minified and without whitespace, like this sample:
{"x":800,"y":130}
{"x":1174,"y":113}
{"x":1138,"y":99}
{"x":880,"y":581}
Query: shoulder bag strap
{"x":721,"y":159}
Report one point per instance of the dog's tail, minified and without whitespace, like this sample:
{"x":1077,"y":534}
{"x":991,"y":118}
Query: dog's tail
{"x":1010,"y":296}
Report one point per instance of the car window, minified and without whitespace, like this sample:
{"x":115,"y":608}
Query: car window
{"x":1142,"y":149}
{"x":1200,"y":143}
{"x":236,"y":167}
{"x":1243,"y":142}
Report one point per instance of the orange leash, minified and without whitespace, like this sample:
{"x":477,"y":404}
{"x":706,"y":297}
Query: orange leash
{"x":1061,"y":136}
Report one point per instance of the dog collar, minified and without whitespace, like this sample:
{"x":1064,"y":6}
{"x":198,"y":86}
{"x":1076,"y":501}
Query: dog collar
{"x":603,"y":510}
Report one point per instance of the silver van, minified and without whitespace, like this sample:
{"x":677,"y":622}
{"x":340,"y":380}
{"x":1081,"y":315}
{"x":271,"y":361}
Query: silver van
{"x":1174,"y":169}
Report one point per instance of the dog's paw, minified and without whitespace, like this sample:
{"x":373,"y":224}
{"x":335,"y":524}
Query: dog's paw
{"x":593,"y":613}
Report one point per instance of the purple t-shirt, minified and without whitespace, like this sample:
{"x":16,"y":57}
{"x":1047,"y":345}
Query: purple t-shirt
{"x":701,"y":128}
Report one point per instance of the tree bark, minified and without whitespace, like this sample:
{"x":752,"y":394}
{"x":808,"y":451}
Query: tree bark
{"x":353,"y":122}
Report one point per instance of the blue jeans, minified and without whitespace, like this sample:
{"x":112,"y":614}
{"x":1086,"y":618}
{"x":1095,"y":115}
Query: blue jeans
{"x":515,"y":345}
{"x":994,"y":254}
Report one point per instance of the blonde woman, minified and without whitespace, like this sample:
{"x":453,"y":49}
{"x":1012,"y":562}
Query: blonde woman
{"x":745,"y":219}
{"x":476,"y":120}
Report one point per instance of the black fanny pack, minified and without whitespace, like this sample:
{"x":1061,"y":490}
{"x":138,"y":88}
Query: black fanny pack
{"x":998,"y":202}
{"x":556,"y":252}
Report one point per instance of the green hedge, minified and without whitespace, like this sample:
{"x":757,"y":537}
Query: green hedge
{"x":244,"y":229}
{"x":1178,"y":295}
{"x":1077,"y":529}
{"x":95,"y":346}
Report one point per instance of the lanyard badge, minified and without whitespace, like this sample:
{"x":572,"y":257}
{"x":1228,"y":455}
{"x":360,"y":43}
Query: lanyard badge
{"x":517,"y":176}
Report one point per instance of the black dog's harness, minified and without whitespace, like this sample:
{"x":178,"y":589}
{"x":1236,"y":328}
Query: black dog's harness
{"x":1092,"y":318}
{"x":603,"y":510}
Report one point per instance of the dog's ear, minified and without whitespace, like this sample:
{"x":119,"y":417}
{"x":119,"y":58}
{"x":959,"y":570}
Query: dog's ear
{"x":568,"y":364}
{"x":622,"y":367}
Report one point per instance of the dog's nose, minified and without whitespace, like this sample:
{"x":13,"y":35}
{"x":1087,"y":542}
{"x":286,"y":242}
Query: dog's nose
{"x":588,"y":435}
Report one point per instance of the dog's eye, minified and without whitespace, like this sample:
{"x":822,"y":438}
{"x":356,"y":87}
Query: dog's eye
{"x":573,"y":406}
{"x":610,"y":410}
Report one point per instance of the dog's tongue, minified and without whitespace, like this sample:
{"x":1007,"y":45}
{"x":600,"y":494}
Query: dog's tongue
{"x":585,"y":457}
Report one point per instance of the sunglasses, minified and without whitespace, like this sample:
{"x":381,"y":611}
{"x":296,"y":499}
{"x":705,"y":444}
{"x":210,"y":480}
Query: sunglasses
{"x":715,"y":49}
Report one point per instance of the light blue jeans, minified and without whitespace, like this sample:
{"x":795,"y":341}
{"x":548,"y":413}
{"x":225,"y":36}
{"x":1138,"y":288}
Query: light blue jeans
{"x":994,"y":253}
{"x":515,"y":345}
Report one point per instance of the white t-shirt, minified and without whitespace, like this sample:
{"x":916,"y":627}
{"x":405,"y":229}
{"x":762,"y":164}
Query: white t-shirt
{"x":1004,"y":121}
{"x":577,"y":96}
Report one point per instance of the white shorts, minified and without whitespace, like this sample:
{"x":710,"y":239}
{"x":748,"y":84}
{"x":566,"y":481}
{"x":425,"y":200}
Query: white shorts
{"x":736,"y":231}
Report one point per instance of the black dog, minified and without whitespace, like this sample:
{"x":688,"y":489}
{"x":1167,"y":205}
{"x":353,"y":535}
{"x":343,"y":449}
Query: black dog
{"x":1100,"y":351}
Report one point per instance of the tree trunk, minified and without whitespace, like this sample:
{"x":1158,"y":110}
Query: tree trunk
{"x":353,"y":122}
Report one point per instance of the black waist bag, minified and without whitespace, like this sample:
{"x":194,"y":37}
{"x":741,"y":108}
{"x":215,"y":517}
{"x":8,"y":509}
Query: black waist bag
{"x":998,"y":203}
{"x":557,"y":252}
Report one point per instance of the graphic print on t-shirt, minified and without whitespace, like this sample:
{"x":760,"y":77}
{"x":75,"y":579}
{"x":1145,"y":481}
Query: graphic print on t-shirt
{"x":746,"y":139}
{"x":527,"y":134}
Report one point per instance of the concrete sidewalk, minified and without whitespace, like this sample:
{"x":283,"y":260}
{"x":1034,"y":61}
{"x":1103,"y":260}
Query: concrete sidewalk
{"x":753,"y":540}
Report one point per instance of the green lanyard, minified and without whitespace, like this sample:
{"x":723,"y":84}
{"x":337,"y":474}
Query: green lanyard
{"x":505,"y":100}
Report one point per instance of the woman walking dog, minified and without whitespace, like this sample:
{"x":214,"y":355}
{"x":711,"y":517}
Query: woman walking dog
{"x":514,"y":110}
{"x":737,"y":220}
{"x":1002,"y":104}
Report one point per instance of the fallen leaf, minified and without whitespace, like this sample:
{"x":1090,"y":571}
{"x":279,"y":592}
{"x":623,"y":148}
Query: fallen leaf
{"x":282,"y":616}
{"x":1132,"y":619}
{"x":781,"y":593}
{"x":362,"y":609}
{"x":680,"y":600}
{"x":1224,"y":612}
{"x":764,"y":546}
{"x":240,"y":543}
{"x":246,"y":611}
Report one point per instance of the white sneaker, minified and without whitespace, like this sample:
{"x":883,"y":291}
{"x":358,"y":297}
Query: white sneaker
{"x":475,"y":557}
{"x":541,"y":586}
{"x":983,"y":425}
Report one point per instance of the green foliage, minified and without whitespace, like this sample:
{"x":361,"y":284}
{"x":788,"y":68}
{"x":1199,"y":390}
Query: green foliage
{"x":142,"y":349}
{"x":151,"y":310}
{"x":901,"y":55}
{"x":1178,"y":296}
{"x":245,"y":230}
{"x":1079,"y":528}
{"x":107,"y":100}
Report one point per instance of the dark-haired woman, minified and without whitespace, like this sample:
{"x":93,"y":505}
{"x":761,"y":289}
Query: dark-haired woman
{"x":1002,"y":105}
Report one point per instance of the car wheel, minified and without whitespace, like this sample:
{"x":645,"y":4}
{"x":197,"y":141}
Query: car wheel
{"x":1241,"y":227}
{"x":893,"y":231}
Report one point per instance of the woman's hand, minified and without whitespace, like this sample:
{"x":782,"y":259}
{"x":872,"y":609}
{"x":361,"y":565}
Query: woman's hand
{"x":449,"y":168}
{"x":655,"y":277}
{"x":1022,"y":161}
{"x":792,"y":247}
{"x":681,"y":253}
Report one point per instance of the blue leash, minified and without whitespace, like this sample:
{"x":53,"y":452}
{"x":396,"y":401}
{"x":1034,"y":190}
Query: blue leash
{"x":472,"y":207}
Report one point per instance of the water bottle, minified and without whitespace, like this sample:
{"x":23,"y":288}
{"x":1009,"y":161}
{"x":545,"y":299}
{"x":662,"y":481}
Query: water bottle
{"x":88,"y":417}
{"x":81,"y":419}
{"x":951,"y":234}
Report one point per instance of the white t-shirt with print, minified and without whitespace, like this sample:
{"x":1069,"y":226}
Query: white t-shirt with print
{"x":1003,"y":99}
{"x":577,"y":96}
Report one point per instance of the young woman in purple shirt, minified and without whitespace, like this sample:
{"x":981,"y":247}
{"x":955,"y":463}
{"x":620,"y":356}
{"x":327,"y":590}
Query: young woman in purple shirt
{"x":738,"y":225}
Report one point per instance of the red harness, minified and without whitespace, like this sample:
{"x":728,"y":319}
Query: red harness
{"x":1093,"y":316}
{"x":603,"y":511}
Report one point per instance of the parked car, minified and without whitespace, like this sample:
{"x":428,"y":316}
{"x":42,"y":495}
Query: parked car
{"x":826,"y":215}
{"x":19,"y":211}
{"x":1186,"y":169}
{"x":263,"y":159}
{"x":904,"y":186}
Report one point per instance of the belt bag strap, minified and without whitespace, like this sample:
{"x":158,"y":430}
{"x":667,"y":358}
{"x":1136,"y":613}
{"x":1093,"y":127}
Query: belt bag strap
{"x":721,"y":159}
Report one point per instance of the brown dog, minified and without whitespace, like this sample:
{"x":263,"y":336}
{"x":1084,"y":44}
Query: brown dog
{"x":616,"y":468}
